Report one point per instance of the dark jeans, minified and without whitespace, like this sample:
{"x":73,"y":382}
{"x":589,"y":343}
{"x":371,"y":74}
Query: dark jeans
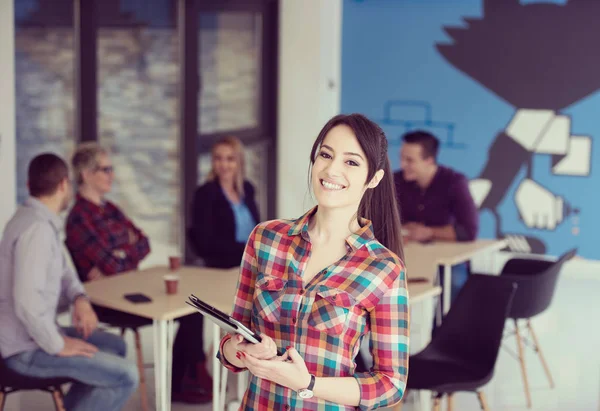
{"x":188,"y":348}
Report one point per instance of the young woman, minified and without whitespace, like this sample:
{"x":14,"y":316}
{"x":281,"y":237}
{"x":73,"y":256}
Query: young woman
{"x":224,"y":209}
{"x":316,"y":286}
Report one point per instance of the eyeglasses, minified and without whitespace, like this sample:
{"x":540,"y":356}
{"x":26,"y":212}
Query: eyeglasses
{"x":106,"y":170}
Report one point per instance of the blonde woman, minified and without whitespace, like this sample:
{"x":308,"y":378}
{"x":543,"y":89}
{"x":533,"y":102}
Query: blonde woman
{"x":224,"y":209}
{"x":103,"y":241}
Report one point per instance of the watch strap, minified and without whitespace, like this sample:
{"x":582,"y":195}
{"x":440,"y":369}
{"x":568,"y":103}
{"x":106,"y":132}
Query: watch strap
{"x":312,"y":383}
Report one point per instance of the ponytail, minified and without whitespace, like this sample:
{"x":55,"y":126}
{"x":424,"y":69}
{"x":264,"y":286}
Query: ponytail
{"x":379,"y":205}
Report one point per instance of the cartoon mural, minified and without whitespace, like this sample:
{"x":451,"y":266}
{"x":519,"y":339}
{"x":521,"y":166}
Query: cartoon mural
{"x":545,"y":46}
{"x":511,"y":83}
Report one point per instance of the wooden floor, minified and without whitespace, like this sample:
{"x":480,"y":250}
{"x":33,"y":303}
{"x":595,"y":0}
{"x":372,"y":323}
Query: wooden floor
{"x":569,"y":335}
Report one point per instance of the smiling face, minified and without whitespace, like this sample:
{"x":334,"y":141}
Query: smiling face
{"x":414,"y":165}
{"x":340,"y":170}
{"x":225,"y":163}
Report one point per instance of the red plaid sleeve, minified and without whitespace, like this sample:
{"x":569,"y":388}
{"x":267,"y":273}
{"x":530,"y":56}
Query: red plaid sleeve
{"x":88,"y":249}
{"x":385,"y":385}
{"x":242,"y":308}
{"x":141,"y":248}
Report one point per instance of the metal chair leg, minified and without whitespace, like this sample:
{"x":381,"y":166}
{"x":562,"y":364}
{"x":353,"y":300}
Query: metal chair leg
{"x":140,"y":364}
{"x":2,"y":399}
{"x":450,"y":401}
{"x":522,"y":362}
{"x":58,"y":399}
{"x":539,"y":353}
{"x":482,"y":401}
{"x":123,"y":332}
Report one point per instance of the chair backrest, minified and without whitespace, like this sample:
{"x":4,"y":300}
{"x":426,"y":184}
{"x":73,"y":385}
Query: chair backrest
{"x":537,"y":281}
{"x":472,"y":330}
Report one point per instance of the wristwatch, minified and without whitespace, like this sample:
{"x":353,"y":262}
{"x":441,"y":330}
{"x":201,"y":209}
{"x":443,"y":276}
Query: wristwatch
{"x":306,"y":393}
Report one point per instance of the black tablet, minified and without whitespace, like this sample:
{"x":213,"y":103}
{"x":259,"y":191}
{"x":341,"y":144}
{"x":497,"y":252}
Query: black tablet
{"x":223,"y":320}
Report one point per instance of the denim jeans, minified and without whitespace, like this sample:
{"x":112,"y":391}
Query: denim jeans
{"x":105,"y":382}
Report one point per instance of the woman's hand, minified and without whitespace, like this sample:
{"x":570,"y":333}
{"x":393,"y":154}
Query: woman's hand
{"x":288,"y":370}
{"x":265,"y":350}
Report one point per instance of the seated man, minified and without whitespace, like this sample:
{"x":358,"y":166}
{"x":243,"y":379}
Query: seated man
{"x":435,"y":202}
{"x":34,"y":277}
{"x":102,"y":242}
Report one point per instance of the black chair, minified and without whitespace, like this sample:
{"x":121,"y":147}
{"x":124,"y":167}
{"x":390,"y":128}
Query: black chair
{"x":536,"y":280}
{"x":11,"y":381}
{"x":462,"y":354}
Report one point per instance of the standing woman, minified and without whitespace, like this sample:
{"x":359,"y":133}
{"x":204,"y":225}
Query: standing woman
{"x":318,"y":285}
{"x":224,"y":209}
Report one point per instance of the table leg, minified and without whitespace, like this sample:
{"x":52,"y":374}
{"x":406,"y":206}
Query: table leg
{"x":163,"y":397}
{"x":216,"y":369}
{"x":422,"y":398}
{"x":223,"y":390}
{"x":156,"y":338}
{"x":242,"y":385}
{"x":447,"y":290}
{"x":170,"y":341}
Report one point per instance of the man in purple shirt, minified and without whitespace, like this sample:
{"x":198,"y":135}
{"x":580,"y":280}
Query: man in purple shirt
{"x":35,"y":279}
{"x":435,"y":202}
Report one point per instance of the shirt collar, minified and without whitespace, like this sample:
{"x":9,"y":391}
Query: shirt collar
{"x":43,"y":209}
{"x":89,"y":204}
{"x":355,"y":240}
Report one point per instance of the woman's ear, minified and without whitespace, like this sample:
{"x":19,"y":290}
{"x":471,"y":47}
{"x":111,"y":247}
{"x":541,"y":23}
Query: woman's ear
{"x":376,"y":179}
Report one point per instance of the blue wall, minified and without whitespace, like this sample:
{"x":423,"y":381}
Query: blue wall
{"x":389,"y":58}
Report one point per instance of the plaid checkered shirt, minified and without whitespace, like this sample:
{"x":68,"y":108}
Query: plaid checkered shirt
{"x":99,"y":236}
{"x":363,"y":295}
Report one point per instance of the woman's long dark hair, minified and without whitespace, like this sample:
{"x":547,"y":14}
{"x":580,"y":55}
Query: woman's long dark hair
{"x":378,"y":204}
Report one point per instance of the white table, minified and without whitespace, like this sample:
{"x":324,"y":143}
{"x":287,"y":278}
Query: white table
{"x":422,"y":260}
{"x":216,"y":287}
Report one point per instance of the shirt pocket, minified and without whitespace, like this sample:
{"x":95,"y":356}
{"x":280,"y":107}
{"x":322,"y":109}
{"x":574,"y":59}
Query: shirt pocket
{"x":329,"y":312}
{"x":268,"y":296}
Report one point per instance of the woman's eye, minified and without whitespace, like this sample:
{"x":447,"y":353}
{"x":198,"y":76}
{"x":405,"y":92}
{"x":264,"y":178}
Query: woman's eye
{"x":352,"y":163}
{"x":324,"y":155}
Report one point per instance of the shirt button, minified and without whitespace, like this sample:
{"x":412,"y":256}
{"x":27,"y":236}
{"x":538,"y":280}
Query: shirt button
{"x":421,"y":207}
{"x":267,"y":282}
{"x":294,"y":320}
{"x":302,"y":292}
{"x":287,"y":407}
